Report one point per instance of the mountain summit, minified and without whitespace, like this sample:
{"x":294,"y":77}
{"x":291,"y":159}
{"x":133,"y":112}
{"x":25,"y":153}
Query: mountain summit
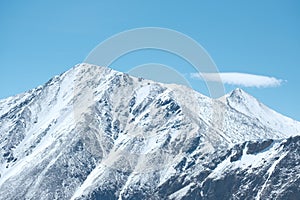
{"x":248,"y":105}
{"x":95,"y":133}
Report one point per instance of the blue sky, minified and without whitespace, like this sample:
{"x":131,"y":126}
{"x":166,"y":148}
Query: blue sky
{"x":39,"y":40}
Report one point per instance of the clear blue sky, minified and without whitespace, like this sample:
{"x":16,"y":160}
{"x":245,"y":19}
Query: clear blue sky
{"x":39,"y":40}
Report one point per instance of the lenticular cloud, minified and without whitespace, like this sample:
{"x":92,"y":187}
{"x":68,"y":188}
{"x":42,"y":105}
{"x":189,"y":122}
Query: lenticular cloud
{"x":240,"y":79}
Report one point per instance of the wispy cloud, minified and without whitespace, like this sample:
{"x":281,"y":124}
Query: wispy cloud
{"x":239,"y":79}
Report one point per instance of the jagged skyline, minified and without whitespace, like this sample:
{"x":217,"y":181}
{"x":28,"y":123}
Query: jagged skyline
{"x":43,"y":39}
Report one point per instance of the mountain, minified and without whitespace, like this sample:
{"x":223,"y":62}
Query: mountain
{"x":95,"y":133}
{"x":248,"y":105}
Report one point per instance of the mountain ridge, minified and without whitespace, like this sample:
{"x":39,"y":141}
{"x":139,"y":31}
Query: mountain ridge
{"x":95,"y":133}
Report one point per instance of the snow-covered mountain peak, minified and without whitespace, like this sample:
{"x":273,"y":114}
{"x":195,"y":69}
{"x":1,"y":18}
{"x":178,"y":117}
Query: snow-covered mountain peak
{"x":240,"y":95}
{"x":95,"y":133}
{"x":243,"y":102}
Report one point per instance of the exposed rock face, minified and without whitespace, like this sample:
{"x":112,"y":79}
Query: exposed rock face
{"x":94,"y":133}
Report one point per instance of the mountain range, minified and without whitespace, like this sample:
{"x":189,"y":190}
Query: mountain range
{"x":95,"y":133}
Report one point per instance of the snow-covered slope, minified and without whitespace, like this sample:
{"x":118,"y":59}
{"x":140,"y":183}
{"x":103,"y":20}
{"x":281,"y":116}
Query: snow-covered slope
{"x":94,"y":133}
{"x":248,"y":105}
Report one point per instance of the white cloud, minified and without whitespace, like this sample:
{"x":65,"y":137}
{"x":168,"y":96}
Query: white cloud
{"x":239,"y":79}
